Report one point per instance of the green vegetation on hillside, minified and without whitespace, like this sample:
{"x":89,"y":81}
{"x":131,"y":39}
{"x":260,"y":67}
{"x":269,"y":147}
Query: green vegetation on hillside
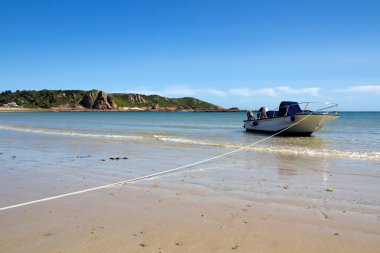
{"x":90,"y":99}
{"x":42,"y":98}
{"x":137,"y":100}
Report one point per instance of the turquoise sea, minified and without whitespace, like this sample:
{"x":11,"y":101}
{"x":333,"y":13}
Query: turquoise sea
{"x":47,"y":153}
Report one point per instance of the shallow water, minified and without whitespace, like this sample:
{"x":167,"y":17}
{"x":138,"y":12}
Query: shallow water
{"x":47,"y":153}
{"x":354,"y":135}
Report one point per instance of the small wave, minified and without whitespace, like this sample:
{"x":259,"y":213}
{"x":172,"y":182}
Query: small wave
{"x":68,"y":133}
{"x":186,"y":141}
{"x":297,"y":151}
{"x":275,"y":149}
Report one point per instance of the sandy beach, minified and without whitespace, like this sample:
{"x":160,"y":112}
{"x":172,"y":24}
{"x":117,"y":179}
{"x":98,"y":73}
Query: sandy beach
{"x":176,"y":213}
{"x":153,"y":218}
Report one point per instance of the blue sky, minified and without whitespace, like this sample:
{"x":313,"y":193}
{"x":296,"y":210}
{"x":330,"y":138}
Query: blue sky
{"x":232,"y":53}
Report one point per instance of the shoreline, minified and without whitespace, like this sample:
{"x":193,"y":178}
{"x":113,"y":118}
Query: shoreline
{"x":192,"y":211}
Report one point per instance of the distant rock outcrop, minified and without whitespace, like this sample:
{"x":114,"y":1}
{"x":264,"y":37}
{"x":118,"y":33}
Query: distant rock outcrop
{"x":99,"y":100}
{"x":136,"y":98}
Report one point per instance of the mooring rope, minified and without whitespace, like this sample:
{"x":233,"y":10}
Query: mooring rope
{"x":154,"y":175}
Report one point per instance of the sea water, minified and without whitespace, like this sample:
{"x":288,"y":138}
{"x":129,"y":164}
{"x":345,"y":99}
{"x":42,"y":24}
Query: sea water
{"x":47,"y":153}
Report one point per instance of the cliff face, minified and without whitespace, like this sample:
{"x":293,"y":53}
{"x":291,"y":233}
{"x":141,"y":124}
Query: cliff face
{"x":99,"y":100}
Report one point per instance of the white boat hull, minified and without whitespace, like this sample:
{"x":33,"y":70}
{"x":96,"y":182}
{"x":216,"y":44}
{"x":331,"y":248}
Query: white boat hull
{"x":304,"y":124}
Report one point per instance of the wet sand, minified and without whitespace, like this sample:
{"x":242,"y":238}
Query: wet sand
{"x":160,"y":216}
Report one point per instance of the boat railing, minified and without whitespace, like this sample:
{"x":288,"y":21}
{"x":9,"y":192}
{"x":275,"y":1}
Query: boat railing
{"x":321,"y":107}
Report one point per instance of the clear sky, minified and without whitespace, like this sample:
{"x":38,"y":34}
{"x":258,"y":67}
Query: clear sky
{"x":232,"y":53}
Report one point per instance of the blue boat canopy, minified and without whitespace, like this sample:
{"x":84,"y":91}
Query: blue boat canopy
{"x":289,"y":108}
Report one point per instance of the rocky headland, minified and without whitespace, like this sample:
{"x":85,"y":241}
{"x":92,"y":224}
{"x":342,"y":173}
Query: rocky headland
{"x":97,"y":100}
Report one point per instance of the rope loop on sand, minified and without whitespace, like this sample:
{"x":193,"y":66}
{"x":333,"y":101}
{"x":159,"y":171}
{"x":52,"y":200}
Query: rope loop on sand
{"x":154,"y":175}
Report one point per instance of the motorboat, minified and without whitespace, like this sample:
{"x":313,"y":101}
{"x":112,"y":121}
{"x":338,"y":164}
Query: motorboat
{"x":290,"y":119}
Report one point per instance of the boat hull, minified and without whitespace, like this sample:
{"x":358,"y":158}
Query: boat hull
{"x":304,"y":124}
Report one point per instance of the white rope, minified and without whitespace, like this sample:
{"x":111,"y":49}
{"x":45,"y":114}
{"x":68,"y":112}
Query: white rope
{"x":146,"y":177}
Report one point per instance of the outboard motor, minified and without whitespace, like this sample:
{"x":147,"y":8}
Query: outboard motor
{"x":262,"y":113}
{"x":250,"y":115}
